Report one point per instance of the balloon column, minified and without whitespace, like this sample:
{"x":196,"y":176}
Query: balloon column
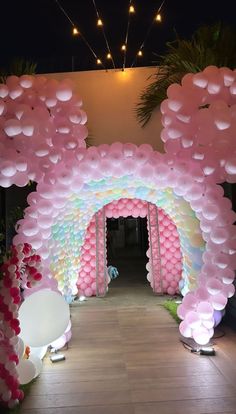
{"x":199,"y":121}
{"x":21,"y":269}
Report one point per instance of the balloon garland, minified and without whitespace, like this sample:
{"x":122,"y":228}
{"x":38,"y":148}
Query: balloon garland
{"x":42,"y":139}
{"x":20,"y":270}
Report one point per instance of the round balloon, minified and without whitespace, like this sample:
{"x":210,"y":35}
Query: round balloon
{"x":44,"y":317}
{"x":26,"y":371}
{"x":37,"y":364}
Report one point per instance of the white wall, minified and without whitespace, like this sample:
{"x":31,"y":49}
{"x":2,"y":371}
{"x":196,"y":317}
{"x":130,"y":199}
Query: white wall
{"x":109,"y":99}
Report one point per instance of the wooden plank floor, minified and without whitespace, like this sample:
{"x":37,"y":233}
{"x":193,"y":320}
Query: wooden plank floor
{"x":128,"y":359}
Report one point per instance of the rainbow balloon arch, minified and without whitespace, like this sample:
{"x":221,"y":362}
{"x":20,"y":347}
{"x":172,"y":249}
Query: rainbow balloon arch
{"x":192,"y":238}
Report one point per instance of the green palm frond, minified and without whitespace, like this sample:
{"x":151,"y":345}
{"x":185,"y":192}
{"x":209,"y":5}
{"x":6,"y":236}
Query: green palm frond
{"x":209,"y":45}
{"x":18,"y":67}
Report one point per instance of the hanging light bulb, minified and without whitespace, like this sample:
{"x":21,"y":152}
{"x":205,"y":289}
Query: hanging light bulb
{"x":140,"y":53}
{"x":99,"y":62}
{"x":131,"y":9}
{"x":108,"y":56}
{"x":75,"y":31}
{"x":123,"y":48}
{"x":158,"y":17}
{"x":99,"y":22}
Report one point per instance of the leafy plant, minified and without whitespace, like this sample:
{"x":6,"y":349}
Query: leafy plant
{"x":13,"y":216}
{"x":209,"y":45}
{"x":18,"y":67}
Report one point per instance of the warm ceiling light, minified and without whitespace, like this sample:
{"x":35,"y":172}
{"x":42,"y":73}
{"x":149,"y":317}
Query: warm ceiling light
{"x":99,"y":22}
{"x":131,"y":9}
{"x":158,"y":17}
{"x":123,"y":48}
{"x":140,"y":53}
{"x":75,"y":31}
{"x":108,"y":56}
{"x":99,"y":62}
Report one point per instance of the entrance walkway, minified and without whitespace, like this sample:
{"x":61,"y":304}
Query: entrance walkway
{"x":125,"y":357}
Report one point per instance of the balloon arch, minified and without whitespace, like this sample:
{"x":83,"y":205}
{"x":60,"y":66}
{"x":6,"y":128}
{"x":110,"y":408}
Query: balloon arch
{"x":192,"y":238}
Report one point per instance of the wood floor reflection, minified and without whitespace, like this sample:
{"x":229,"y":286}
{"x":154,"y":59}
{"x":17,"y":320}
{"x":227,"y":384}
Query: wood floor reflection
{"x":126,"y":358}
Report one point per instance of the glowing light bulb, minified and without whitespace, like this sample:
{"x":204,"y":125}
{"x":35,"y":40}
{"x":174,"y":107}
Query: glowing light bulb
{"x":140,"y":53}
{"x":99,"y":62}
{"x":108,"y":56}
{"x":123,"y":48}
{"x":99,"y":22}
{"x":75,"y":31}
{"x":131,"y":9}
{"x":158,"y":17}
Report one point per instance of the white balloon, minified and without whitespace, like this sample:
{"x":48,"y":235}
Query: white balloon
{"x":44,"y":317}
{"x":59,"y":342}
{"x":39,"y":351}
{"x":37,"y":363}
{"x":26,"y":371}
{"x":20,"y":347}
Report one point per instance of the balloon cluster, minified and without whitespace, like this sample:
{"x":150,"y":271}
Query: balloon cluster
{"x":165,"y":268}
{"x":63,"y":339}
{"x":74,"y":183}
{"x":87,"y":276}
{"x":21,"y":269}
{"x":167,"y":257}
{"x":42,"y":124}
{"x":30,"y":363}
{"x":199,"y":119}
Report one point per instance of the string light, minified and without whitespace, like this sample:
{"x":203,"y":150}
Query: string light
{"x":100,"y":24}
{"x":75,"y":31}
{"x":156,"y":18}
{"x":131,"y":9}
{"x":124,"y":46}
{"x":140,"y":53}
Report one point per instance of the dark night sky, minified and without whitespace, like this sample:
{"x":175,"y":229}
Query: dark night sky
{"x":38,"y":30}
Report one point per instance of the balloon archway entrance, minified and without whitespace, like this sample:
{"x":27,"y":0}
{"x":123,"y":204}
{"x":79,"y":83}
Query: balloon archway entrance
{"x":43,"y":136}
{"x":164,"y":254}
{"x":61,"y":210}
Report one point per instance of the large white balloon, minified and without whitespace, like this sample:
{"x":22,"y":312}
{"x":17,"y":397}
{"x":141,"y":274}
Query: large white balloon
{"x":44,"y":317}
{"x":37,"y":363}
{"x":20,"y":347}
{"x":26,"y":371}
{"x":39,"y":351}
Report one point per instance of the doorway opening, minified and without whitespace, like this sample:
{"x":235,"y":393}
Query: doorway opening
{"x":127,"y":245}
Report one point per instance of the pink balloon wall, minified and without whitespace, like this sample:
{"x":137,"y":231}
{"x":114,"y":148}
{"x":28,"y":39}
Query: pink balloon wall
{"x":164,"y":273}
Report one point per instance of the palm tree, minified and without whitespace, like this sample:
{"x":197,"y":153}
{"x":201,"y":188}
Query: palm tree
{"x":209,"y":45}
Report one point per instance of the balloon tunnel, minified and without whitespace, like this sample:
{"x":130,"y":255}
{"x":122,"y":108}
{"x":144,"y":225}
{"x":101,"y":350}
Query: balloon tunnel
{"x":192,"y":238}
